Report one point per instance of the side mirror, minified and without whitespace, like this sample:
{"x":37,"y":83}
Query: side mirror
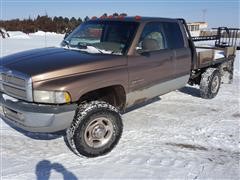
{"x":142,"y":52}
{"x":139,"y":50}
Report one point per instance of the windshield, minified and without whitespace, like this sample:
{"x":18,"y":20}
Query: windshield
{"x":105,"y":37}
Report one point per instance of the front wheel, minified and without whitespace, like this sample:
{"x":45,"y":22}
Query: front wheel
{"x":96,"y":129}
{"x":210,"y":83}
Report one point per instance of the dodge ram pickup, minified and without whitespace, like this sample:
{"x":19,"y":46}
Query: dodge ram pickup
{"x":103,"y":67}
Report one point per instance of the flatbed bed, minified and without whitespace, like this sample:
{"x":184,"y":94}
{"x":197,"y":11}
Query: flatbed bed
{"x":207,"y":56}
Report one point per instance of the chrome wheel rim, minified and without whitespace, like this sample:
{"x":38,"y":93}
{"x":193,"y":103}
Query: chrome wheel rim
{"x":215,"y":84}
{"x":98,"y":132}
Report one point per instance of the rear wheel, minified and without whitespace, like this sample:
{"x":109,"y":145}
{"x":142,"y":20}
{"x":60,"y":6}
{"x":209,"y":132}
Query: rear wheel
{"x":96,"y":129}
{"x":210,"y":83}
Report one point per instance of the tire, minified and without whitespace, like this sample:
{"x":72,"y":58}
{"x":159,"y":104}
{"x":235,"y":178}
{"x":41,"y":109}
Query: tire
{"x":95,"y":130}
{"x":210,"y":83}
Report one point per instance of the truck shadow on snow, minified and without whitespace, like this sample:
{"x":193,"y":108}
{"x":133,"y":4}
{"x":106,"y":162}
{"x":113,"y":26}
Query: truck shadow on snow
{"x":140,"y":105}
{"x":190,"y":91}
{"x":44,"y":168}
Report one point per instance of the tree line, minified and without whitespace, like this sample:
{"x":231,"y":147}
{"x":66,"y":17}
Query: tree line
{"x":45,"y":23}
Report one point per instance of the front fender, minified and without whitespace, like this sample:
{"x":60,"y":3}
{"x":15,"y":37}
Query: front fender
{"x":79,"y":84}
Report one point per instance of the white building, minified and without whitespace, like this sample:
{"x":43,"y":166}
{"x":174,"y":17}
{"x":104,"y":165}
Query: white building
{"x":195,"y":28}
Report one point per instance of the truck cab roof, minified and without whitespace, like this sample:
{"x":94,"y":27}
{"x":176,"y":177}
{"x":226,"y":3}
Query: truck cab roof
{"x":140,"y":19}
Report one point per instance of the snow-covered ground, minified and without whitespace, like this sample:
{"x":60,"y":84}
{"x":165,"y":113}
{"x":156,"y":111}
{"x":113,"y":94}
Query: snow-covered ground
{"x":19,"y":41}
{"x":178,"y":136}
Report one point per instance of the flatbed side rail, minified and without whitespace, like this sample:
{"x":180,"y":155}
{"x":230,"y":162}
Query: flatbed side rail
{"x":215,"y":62}
{"x":223,"y":36}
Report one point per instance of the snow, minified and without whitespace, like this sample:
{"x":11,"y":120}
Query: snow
{"x":42,"y":33}
{"x":218,"y":54}
{"x":177,"y":136}
{"x":13,"y":45}
{"x":17,"y":35}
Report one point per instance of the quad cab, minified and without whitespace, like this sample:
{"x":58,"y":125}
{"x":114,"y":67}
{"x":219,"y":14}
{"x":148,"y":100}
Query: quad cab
{"x":102,"y":68}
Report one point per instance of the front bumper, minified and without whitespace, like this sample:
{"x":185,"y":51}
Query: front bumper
{"x":34,"y":117}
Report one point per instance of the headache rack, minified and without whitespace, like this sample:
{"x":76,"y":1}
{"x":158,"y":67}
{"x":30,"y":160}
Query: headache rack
{"x":225,"y":42}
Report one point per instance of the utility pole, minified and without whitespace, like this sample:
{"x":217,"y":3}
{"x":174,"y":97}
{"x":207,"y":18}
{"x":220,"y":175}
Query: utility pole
{"x":46,"y":14}
{"x":204,"y":12}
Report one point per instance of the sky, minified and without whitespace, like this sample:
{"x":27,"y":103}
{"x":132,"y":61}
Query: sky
{"x":217,"y":12}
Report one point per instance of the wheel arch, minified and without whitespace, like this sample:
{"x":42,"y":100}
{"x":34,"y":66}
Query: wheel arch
{"x":114,"y":95}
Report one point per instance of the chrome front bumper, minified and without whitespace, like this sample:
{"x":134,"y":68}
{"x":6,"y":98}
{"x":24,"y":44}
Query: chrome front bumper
{"x":34,"y":117}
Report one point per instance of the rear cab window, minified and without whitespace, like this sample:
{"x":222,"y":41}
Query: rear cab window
{"x":174,"y":35}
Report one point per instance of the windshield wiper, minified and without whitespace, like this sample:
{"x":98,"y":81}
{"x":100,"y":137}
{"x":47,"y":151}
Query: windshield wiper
{"x":88,"y":47}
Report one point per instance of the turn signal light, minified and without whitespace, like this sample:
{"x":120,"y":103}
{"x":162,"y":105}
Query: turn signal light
{"x":120,"y":17}
{"x":138,"y":17}
{"x":94,"y":17}
{"x":103,"y":17}
{"x":67,"y":97}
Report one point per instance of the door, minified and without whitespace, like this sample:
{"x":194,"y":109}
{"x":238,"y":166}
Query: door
{"x":164,"y":63}
{"x":174,"y":33}
{"x":153,"y":67}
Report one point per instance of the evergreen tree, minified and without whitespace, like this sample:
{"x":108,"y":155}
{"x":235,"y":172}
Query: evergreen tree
{"x":44,"y":23}
{"x":86,"y":18}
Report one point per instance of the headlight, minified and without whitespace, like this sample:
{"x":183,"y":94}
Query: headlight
{"x":55,"y":97}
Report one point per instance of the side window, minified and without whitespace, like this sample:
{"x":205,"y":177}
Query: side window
{"x":173,"y":35}
{"x":152,"y":38}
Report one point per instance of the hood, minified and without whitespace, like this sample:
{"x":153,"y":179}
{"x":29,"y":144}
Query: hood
{"x":47,"y":63}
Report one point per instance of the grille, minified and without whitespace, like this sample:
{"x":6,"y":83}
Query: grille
{"x":14,"y":80}
{"x":14,"y":91}
{"x":15,"y":84}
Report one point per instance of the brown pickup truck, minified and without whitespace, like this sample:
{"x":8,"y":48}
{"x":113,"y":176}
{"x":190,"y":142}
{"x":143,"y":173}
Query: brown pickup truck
{"x":103,"y":67}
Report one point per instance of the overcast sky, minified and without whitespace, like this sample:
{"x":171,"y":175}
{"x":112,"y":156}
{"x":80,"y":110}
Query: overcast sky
{"x":217,"y":13}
